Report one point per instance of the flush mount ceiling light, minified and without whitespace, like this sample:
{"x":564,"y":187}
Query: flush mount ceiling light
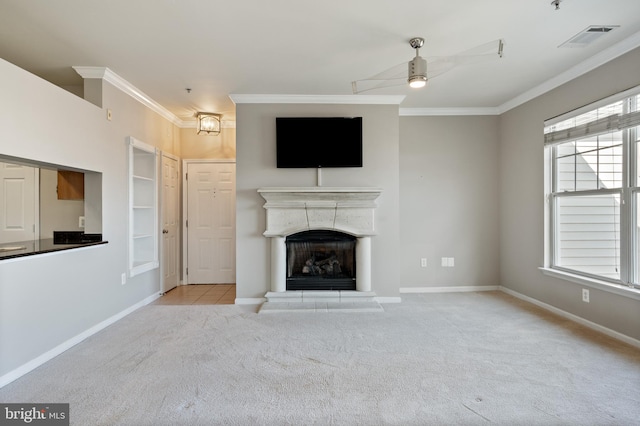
{"x":417,"y":66}
{"x":209,"y":123}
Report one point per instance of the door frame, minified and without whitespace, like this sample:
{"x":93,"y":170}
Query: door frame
{"x":161,"y":218}
{"x":36,"y":194}
{"x":185,"y":213}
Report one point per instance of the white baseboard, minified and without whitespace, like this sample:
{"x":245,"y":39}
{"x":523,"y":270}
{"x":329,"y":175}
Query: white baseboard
{"x":49,"y":355}
{"x":455,"y":289}
{"x":249,"y":300}
{"x":574,"y":318}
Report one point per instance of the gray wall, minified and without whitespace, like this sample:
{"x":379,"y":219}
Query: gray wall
{"x":522,"y":202}
{"x":48,"y":299}
{"x":449,"y":200}
{"x":256,"y":167}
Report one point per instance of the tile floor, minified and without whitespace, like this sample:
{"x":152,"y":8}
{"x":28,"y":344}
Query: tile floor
{"x":199,"y":294}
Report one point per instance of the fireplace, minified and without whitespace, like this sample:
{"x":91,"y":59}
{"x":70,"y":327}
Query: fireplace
{"x":320,"y":212}
{"x":321,"y":260}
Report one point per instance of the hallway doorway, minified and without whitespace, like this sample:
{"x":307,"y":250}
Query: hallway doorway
{"x":210,"y":225}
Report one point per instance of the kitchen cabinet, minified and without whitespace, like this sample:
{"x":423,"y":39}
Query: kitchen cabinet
{"x":70,"y":185}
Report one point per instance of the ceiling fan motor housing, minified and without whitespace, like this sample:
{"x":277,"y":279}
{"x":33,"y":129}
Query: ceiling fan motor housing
{"x":417,"y":72}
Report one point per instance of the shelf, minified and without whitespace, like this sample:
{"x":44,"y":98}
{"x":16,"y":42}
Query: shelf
{"x":140,"y":267}
{"x":143,"y":207}
{"x":135,"y":237}
{"x":143,"y":178}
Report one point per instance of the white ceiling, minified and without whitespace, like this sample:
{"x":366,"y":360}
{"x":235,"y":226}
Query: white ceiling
{"x":302,"y":47}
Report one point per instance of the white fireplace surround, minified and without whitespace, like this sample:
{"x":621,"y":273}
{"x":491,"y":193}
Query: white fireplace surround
{"x":296,"y":209}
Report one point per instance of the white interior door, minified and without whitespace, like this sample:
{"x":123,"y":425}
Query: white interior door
{"x":170,"y":223}
{"x":18,"y":203}
{"x":211,"y":223}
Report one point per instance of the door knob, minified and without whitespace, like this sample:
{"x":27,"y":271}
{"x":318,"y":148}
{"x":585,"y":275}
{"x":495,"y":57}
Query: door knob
{"x":165,"y":231}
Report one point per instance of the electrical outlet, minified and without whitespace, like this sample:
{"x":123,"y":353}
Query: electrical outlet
{"x":81,"y":222}
{"x":448,"y":262}
{"x":585,"y":295}
{"x":123,"y":278}
{"x":423,"y":262}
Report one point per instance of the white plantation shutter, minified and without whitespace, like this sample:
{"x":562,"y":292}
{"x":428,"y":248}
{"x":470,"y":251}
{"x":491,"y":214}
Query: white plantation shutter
{"x":597,"y":127}
{"x":629,"y":120}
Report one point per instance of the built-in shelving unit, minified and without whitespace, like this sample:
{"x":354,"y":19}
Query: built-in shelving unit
{"x":143,"y":207}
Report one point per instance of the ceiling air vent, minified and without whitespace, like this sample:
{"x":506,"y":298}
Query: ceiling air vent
{"x":588,"y":35}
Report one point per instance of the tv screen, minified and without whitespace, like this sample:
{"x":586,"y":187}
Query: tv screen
{"x":319,"y":142}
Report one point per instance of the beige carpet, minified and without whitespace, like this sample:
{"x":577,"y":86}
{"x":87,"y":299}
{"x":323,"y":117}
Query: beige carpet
{"x":437,"y":359}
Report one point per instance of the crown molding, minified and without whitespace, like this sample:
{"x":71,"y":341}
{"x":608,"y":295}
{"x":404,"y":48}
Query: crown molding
{"x":576,"y":71}
{"x":317,"y":99}
{"x":90,"y":72}
{"x":572,"y":73}
{"x":413,"y":112}
{"x":107,"y":75}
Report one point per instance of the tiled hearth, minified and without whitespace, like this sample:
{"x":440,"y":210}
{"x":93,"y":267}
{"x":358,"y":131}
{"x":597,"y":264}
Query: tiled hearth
{"x":321,"y":301}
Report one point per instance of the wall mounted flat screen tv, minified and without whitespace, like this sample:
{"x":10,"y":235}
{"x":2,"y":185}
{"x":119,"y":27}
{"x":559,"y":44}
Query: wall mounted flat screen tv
{"x":319,"y":142}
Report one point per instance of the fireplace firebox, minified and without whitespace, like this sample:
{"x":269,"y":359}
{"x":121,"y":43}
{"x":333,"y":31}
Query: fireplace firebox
{"x":321,"y":260}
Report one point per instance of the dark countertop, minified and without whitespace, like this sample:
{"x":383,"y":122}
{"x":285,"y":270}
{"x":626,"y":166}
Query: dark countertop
{"x":33,"y":247}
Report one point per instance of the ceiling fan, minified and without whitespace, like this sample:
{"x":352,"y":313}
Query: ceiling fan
{"x":418,"y":73}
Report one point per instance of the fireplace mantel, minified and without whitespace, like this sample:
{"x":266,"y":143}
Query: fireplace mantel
{"x":345,"y":209}
{"x":296,"y":209}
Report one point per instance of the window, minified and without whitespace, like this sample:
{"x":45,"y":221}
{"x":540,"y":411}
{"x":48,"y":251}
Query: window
{"x":593,"y":190}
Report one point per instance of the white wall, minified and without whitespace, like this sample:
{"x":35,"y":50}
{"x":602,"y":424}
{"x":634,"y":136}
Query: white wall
{"x":256,"y":167}
{"x":449,"y":200}
{"x":47,"y":299}
{"x":522,"y":202}
{"x":195,"y":146}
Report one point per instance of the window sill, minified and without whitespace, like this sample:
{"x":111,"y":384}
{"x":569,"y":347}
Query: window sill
{"x":618,"y":289}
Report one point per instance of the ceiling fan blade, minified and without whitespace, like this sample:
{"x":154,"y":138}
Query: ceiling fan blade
{"x":439,"y":65}
{"x":360,"y":86}
{"x":484,"y":52}
{"x":394,"y":76}
{"x":397,"y":71}
{"x":436,"y":65}
{"x":493,"y":48}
